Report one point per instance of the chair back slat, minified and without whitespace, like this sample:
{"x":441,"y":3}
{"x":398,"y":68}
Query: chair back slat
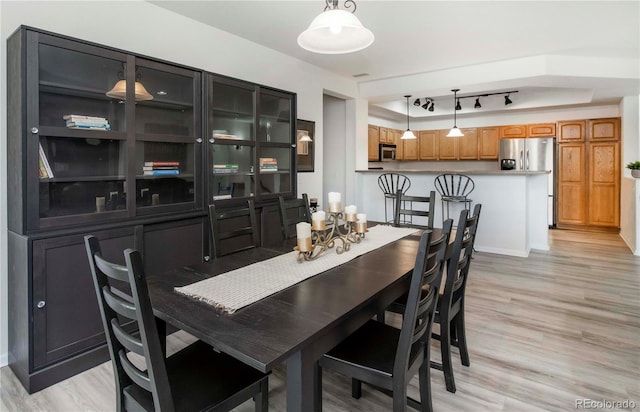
{"x":236,"y":227}
{"x":292,"y":212}
{"x":420,"y":307}
{"x":118,"y":304}
{"x":129,"y":341}
{"x":138,"y":376}
{"x":389,"y":183}
{"x":456,"y":185}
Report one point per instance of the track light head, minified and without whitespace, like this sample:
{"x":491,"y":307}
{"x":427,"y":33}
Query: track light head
{"x":458,"y":107}
{"x":416,"y":102}
{"x":433,"y":106}
{"x":425,"y":106}
{"x":477,"y":105}
{"x":507,"y":101}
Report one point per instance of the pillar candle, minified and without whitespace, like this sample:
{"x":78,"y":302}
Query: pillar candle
{"x":318,"y":220}
{"x":361,"y":224}
{"x":350,"y":213}
{"x":303,"y":235}
{"x":335,"y":202}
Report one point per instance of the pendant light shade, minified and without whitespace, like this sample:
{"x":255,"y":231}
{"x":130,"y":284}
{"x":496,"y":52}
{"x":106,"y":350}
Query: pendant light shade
{"x":408,"y":134}
{"x":455,"y":132}
{"x":119,"y":91}
{"x":336,"y":31}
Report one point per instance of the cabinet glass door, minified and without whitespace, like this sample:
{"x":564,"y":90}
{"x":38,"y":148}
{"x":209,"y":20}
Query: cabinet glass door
{"x":231,"y":129}
{"x":167,"y":128}
{"x":80,"y":153}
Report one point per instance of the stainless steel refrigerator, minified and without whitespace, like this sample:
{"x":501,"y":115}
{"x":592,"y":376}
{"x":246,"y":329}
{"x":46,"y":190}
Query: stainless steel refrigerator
{"x":534,"y":154}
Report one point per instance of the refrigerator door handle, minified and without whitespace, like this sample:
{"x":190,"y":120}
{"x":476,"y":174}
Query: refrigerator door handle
{"x":521,"y":159}
{"x":527,"y":161}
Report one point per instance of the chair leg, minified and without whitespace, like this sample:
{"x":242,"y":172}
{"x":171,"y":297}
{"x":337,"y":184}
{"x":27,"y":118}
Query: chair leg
{"x":462,"y":337}
{"x":356,"y":388}
{"x":445,"y":350}
{"x":400,"y":399}
{"x":424,"y":376}
{"x":261,"y":399}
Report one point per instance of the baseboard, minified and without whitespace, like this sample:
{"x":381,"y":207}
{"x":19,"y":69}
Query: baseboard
{"x":4,"y":359}
{"x":498,"y":251}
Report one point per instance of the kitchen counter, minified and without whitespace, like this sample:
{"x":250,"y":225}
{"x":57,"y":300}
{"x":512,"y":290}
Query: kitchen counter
{"x":464,"y":172}
{"x":514,"y":205}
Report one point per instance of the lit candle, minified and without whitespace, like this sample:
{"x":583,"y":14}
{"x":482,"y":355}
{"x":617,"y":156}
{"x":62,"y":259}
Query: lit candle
{"x":303,"y":235}
{"x":361,"y":224}
{"x":335,"y":202}
{"x":318,"y":220}
{"x":350,"y":213}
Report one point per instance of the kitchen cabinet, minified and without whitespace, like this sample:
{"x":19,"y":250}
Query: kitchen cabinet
{"x":541,"y":130}
{"x":428,"y":143}
{"x":571,"y":131}
{"x":251,"y":151}
{"x":447,"y":146}
{"x":411,"y":150}
{"x":468,"y":144}
{"x":384,"y":135}
{"x":589,"y":173}
{"x":397,"y":138}
{"x":513,"y":131}
{"x":374,"y":143}
{"x":604,"y":129}
{"x":488,"y":146}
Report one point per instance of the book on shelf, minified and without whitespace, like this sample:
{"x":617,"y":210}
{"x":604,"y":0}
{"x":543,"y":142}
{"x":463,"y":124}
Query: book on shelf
{"x":159,"y":167}
{"x":268,"y":164}
{"x":225,"y":168}
{"x":83,"y":118}
{"x":166,"y":163}
{"x":81,"y":123}
{"x":167,"y":172}
{"x":43,"y":163}
{"x":225,"y":136}
{"x":221,"y":197}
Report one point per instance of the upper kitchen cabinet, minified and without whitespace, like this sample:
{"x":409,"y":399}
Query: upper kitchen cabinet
{"x":385,"y":136}
{"x":513,"y":131}
{"x":488,"y":147}
{"x":82,"y":128}
{"x":428,"y":141}
{"x":604,"y":129}
{"x":251,"y":140}
{"x":468,"y":144}
{"x":447,"y":146}
{"x":571,"y":131}
{"x":374,"y":143}
{"x":541,"y":130}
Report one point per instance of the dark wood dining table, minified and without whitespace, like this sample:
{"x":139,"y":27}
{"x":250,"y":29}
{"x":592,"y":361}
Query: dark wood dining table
{"x":297,"y":325}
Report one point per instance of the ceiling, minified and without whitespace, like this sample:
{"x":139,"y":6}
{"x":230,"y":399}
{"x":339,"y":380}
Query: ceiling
{"x":555,"y":53}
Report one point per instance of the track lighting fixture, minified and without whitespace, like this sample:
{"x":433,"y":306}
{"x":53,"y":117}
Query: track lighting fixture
{"x":433,"y":106}
{"x":477,"y":105}
{"x":408,"y":134}
{"x":425,"y":106}
{"x":417,"y":102}
{"x":507,"y":101}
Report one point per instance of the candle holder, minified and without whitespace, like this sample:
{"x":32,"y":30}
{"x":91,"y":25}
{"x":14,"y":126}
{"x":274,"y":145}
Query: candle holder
{"x":336,"y":232}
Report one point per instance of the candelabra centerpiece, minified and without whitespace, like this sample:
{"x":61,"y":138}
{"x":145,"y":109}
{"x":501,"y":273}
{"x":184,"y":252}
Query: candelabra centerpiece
{"x":331,"y":229}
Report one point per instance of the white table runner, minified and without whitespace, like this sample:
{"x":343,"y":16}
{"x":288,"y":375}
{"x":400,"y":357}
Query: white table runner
{"x":233,"y":290}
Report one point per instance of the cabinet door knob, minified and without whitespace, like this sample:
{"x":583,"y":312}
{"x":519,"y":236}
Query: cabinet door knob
{"x":41,"y":304}
{"x":34,"y":130}
{"x":207,"y":258}
{"x":293,"y":145}
{"x":212,"y":140}
{"x":199,"y":140}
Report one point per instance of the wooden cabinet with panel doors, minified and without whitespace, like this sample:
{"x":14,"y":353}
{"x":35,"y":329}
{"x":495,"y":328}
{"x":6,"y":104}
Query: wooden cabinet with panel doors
{"x":428,"y":143}
{"x":488,"y":147}
{"x":513,"y":131}
{"x":541,"y":130}
{"x":589,"y":173}
{"x":411,"y":149}
{"x":374,"y":143}
{"x":468,"y":144}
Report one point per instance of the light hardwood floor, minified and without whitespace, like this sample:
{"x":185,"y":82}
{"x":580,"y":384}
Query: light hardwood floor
{"x":544,"y":331}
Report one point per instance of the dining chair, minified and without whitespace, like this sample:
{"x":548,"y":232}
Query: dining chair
{"x":196,"y":378}
{"x":233,"y":230}
{"x":406,"y":207}
{"x":387,"y":357}
{"x":450,"y":313}
{"x":454,"y":188}
{"x":292,"y":212}
{"x":389,"y":183}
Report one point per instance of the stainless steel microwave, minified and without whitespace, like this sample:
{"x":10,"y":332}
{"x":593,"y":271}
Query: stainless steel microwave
{"x":387,"y":152}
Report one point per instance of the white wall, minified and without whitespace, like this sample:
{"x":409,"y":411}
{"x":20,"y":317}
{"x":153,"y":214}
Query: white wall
{"x":335,"y":149}
{"x":630,"y":187}
{"x":143,"y":28}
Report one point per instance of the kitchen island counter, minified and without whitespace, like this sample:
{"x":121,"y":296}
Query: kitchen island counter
{"x":514,"y":205}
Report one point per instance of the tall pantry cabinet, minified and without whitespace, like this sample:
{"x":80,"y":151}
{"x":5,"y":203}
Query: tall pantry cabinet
{"x":589,"y":173}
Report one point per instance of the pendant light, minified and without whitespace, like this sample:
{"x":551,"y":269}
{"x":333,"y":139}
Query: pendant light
{"x":408,"y":134}
{"x":119,"y":91}
{"x":455,"y":132}
{"x":336,"y":31}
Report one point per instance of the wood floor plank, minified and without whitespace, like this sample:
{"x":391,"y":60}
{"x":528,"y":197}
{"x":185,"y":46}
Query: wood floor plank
{"x":543,"y":331}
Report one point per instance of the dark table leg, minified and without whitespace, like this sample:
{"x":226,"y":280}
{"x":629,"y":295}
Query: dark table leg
{"x":303,"y":387}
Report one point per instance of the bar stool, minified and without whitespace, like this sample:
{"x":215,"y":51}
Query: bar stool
{"x":454,"y":188}
{"x":390,"y":183}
